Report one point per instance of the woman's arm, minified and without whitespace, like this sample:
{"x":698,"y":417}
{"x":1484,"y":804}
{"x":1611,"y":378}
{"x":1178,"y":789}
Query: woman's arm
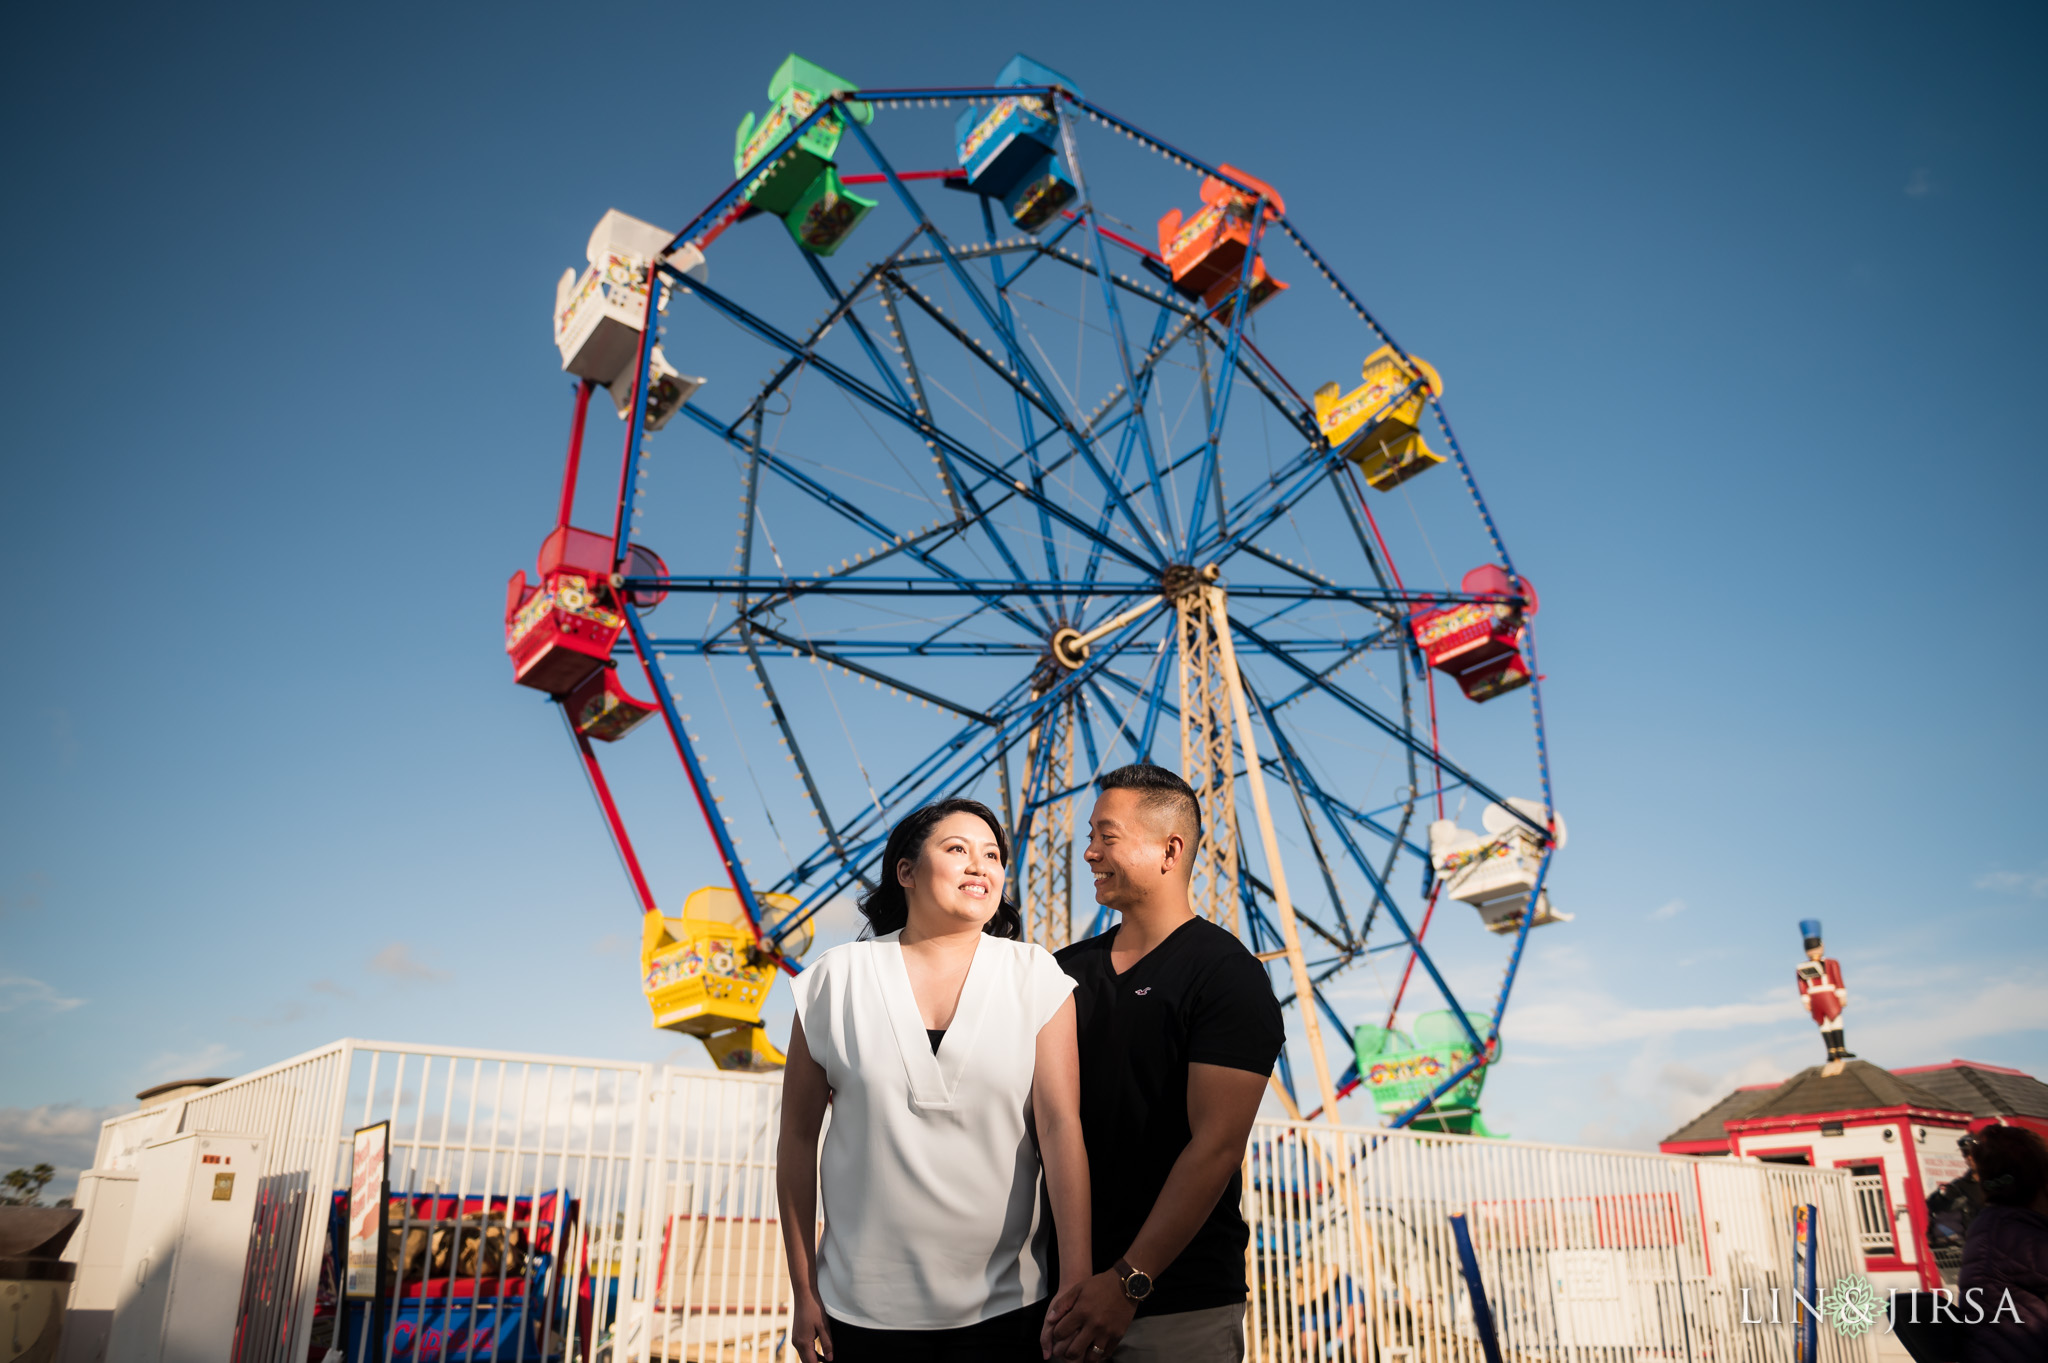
{"x":1056,"y":1113}
{"x":1056,"y":1109}
{"x":804,"y":1096}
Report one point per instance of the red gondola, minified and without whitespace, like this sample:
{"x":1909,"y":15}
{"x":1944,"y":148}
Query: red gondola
{"x":1479,"y":643}
{"x":562,"y":630}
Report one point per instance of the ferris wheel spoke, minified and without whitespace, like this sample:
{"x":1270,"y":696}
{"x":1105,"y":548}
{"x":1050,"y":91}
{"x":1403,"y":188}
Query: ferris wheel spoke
{"x":1219,"y":403}
{"x":1271,"y":503}
{"x":1040,"y":250}
{"x":888,"y":406}
{"x":1350,"y":655}
{"x":1007,"y":373}
{"x":947,"y":257}
{"x":843,"y":309}
{"x":1398,"y":732}
{"x":931,"y":774}
{"x":1297,"y":774}
{"x":1286,"y":487}
{"x":988,"y":522}
{"x":1135,"y":420}
{"x":1082,"y":441}
{"x":1348,"y":474}
{"x":1025,"y":425}
{"x":1261,"y":375}
{"x":839,"y":660}
{"x":1123,"y":727}
{"x":1284,"y":750}
{"x":990,"y":317}
{"x":1382,"y":895}
{"x":857,"y":515}
{"x":1093,"y":225}
{"x":1251,"y":885}
{"x":948,"y":475}
{"x":790,"y":742}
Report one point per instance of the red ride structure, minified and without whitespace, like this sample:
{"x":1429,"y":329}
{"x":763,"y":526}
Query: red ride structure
{"x":1479,"y":643}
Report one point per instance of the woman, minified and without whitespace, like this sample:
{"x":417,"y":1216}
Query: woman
{"x":945,"y":1048}
{"x":2005,"y":1256}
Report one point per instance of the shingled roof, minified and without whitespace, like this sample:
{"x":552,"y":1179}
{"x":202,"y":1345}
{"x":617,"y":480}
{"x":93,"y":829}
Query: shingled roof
{"x":1982,"y":1090}
{"x":1958,"y":1086}
{"x":1859,"y":1087}
{"x":1708,"y":1125}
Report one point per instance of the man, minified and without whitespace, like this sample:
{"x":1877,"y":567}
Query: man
{"x":1179,"y":1031}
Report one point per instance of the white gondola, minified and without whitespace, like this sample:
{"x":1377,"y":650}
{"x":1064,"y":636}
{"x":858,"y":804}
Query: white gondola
{"x":1495,"y":871}
{"x":598,"y":314}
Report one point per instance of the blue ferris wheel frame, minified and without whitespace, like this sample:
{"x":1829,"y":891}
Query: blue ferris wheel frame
{"x":988,"y":733}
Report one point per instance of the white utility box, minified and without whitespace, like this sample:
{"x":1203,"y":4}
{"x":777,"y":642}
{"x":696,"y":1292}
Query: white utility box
{"x":106,"y":1202}
{"x":187,"y":1244}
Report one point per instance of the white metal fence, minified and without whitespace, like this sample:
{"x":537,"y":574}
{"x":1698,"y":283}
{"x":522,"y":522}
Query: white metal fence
{"x":511,"y":1177}
{"x":546,"y":1208}
{"x":1586,"y":1255}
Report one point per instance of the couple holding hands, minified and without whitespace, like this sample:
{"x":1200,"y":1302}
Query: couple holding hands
{"x":960,"y":1063}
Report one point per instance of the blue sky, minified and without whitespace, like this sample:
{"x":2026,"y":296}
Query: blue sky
{"x":1736,"y":307}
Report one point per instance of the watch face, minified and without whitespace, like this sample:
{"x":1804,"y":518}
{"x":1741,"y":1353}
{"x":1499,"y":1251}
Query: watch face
{"x":1138,"y":1286}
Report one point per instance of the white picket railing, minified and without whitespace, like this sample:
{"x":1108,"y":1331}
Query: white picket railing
{"x":643,"y":1201}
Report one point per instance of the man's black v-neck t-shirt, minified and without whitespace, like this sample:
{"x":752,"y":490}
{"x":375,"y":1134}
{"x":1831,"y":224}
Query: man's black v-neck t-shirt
{"x":1197,"y":998}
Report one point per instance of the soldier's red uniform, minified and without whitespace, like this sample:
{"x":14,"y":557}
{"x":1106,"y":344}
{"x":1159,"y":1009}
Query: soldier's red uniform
{"x":1820,"y":984}
{"x":1820,"y":988}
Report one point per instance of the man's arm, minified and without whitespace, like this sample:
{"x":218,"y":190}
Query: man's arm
{"x":1222,"y":1102}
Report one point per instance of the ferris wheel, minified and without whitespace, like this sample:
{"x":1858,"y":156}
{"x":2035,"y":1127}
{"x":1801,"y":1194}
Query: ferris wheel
{"x":1026,"y":489}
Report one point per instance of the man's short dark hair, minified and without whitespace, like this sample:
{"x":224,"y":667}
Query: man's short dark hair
{"x":1161,"y":792}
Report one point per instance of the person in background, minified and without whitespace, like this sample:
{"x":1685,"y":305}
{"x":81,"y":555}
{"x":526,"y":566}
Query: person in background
{"x":1950,"y":1209}
{"x":945,"y":1048}
{"x":1179,"y":1032}
{"x":2005,"y":1257}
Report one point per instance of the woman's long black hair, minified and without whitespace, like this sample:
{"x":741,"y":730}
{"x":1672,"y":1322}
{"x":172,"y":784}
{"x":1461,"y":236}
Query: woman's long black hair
{"x":887,"y":908}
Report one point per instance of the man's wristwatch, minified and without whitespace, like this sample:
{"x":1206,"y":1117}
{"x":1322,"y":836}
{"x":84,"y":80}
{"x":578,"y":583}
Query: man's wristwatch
{"x":1137,"y":1285}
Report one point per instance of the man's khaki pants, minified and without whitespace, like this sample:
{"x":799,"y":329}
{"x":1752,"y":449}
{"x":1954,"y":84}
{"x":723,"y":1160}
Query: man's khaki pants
{"x":1215,"y":1335}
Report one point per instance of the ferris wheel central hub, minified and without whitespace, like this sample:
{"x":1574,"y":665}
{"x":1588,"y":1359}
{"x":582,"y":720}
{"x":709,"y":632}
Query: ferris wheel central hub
{"x":1185,"y":579}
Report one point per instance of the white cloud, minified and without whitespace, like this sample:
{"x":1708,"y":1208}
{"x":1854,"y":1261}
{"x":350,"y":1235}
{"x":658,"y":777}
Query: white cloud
{"x":19,"y":991}
{"x":63,"y":1135}
{"x":1928,"y":1022}
{"x":1920,"y":183}
{"x":397,"y":961}
{"x":1670,"y":910}
{"x":2033,"y":884}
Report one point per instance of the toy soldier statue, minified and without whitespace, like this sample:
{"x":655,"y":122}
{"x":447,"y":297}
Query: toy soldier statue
{"x":1820,"y":985}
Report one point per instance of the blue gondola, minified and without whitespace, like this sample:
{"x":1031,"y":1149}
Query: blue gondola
{"x":1011,"y":152}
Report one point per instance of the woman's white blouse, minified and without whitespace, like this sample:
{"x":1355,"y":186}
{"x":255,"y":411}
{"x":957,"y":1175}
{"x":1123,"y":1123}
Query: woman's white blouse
{"x":929,"y":1176}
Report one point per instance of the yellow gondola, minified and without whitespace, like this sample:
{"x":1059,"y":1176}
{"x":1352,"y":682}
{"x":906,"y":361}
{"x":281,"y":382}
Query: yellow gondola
{"x":1388,"y":450}
{"x":703,"y":975}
